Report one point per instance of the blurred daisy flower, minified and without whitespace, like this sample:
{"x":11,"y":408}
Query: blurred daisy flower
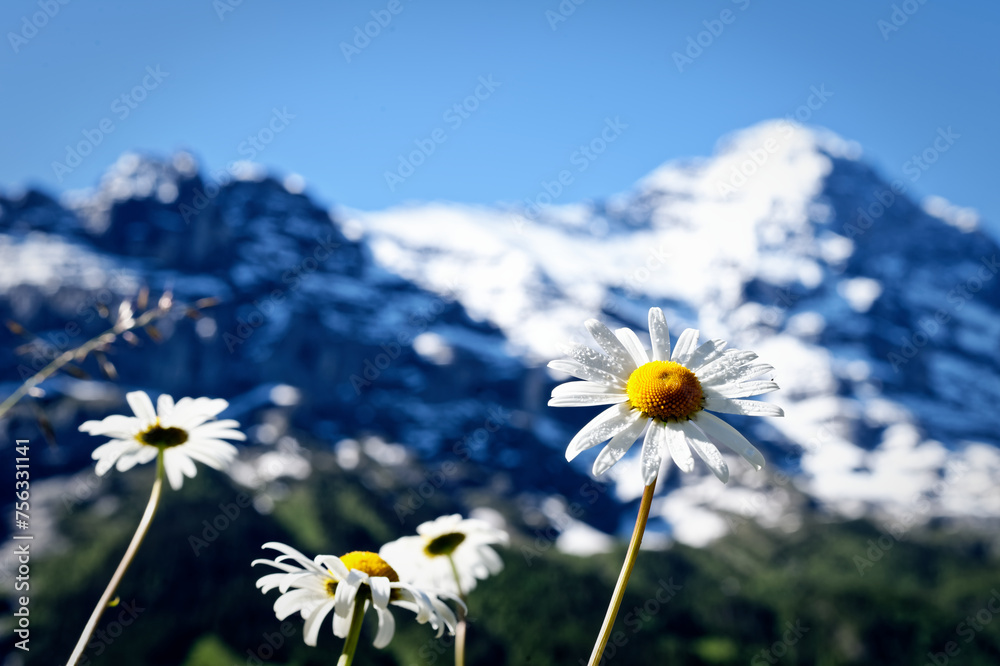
{"x":448,"y":550}
{"x":185,"y":431}
{"x":672,"y":393}
{"x":346,"y":586}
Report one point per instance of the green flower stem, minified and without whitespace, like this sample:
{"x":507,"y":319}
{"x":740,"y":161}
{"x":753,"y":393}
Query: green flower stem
{"x":630,"y":557}
{"x":351,"y":644}
{"x":460,"y":629}
{"x":140,"y":532}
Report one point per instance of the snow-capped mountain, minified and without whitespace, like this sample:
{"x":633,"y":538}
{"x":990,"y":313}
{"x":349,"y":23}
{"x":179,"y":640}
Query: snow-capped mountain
{"x":430,"y":325}
{"x":880,"y":317}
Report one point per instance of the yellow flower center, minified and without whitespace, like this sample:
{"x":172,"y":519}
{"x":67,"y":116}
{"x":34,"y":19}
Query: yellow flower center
{"x":444,"y":544}
{"x":157,"y":435}
{"x":371,"y":564}
{"x":665,"y":390}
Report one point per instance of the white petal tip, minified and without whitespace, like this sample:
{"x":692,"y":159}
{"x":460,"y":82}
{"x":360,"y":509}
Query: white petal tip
{"x":601,"y":466}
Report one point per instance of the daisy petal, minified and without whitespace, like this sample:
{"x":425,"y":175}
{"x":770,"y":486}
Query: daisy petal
{"x":347,"y":592}
{"x":142,"y":406}
{"x":290,"y":553}
{"x":618,"y":447}
{"x":685,"y":347}
{"x":740,"y":389}
{"x":723,"y":433}
{"x":707,"y":353}
{"x":743,"y":407}
{"x":291,"y":602}
{"x":224,"y":428}
{"x":107,"y":454}
{"x":379,"y":586}
{"x":442,"y":609}
{"x":591,"y":357}
{"x":611,"y":345}
{"x":341,"y":626}
{"x":164,"y":406}
{"x":652,"y":451}
{"x":699,"y":441}
{"x":732,"y":360}
{"x":310,"y":631}
{"x":138,"y":456}
{"x":581,"y":371}
{"x":332,"y":563}
{"x":679,"y":449}
{"x":386,"y":627}
{"x":582,"y":394}
{"x":206,"y":458}
{"x":737,"y":373}
{"x":117,"y":426}
{"x":174,"y":469}
{"x":602,"y":427}
{"x":631,"y":343}
{"x":659,"y":335}
{"x":186,"y":464}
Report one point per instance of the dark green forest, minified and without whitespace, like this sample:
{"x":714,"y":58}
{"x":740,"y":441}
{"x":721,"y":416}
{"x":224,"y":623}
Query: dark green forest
{"x":829,"y":593}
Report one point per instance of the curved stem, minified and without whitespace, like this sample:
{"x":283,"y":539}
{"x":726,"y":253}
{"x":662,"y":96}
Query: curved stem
{"x":47,"y":371}
{"x":630,"y":557}
{"x":351,"y":644}
{"x":80,"y":352}
{"x":460,"y":628}
{"x":140,"y":532}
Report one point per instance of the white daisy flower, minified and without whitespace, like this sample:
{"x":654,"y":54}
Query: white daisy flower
{"x":672,"y":393}
{"x":184,"y":431}
{"x":448,"y":548}
{"x":314,"y":588}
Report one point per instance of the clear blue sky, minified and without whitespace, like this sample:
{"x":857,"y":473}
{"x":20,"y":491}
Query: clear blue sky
{"x":891,"y":90}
